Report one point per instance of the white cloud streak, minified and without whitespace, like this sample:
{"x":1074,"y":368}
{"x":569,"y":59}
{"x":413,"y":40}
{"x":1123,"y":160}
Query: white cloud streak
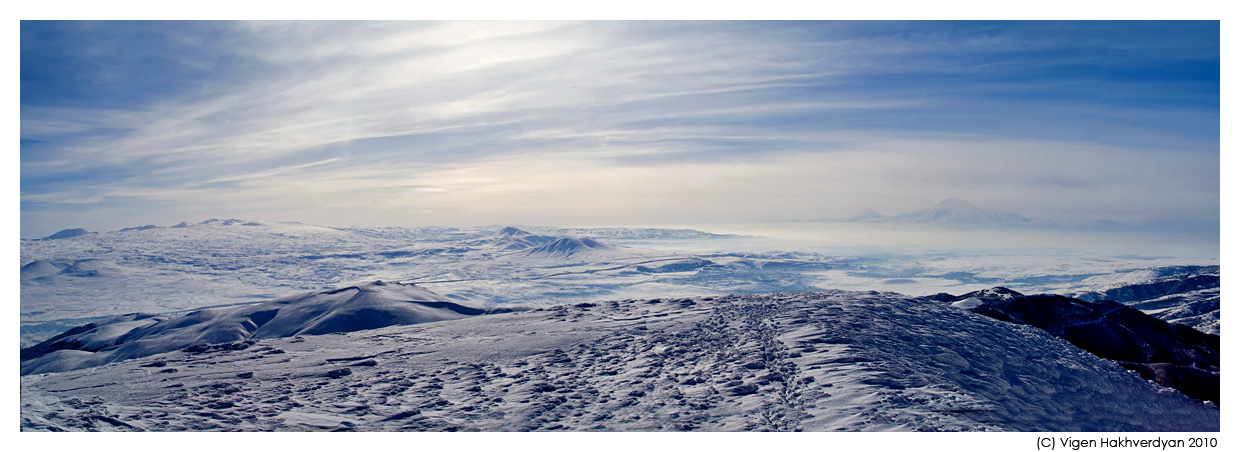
{"x":478,"y":123}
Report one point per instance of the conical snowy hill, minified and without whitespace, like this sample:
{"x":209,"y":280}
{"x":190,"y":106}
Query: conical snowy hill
{"x":567,"y":247}
{"x":510,"y":238}
{"x":68,"y":233}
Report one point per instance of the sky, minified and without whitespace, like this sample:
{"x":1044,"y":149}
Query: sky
{"x":612,"y":123}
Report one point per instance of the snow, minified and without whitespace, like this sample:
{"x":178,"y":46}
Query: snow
{"x":572,"y":247}
{"x":68,"y":233}
{"x":224,"y":263}
{"x":636,"y":329}
{"x":818,"y":361}
{"x":366,"y":306}
{"x":41,"y":268}
{"x":967,"y":303}
{"x":511,"y":238}
{"x":1187,"y":295}
{"x":220,"y":263}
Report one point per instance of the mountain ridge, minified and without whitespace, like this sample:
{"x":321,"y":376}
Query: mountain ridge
{"x":364,"y":306}
{"x":1174,"y":356}
{"x":950,"y":211}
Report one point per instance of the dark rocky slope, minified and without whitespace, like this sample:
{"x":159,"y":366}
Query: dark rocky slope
{"x":1171,"y":355}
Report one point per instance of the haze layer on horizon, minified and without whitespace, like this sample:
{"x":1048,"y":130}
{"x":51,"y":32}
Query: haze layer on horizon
{"x":613,"y":123}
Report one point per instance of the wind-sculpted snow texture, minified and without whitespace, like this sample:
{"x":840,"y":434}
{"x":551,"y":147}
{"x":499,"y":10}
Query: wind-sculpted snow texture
{"x":820,"y":361}
{"x":1175,"y":356}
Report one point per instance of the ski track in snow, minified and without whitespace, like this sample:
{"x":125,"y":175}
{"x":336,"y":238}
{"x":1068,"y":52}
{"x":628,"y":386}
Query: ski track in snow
{"x":820,"y":361}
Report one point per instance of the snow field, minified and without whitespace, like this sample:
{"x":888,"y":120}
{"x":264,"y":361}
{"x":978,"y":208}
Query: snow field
{"x":823,"y":361}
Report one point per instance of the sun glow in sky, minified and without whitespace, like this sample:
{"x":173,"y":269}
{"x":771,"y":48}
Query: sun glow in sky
{"x":613,"y":123}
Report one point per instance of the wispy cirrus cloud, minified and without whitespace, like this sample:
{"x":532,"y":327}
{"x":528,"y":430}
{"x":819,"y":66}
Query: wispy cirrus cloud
{"x":590,"y":122}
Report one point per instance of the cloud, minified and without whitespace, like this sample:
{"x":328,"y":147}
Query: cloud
{"x":607,"y":121}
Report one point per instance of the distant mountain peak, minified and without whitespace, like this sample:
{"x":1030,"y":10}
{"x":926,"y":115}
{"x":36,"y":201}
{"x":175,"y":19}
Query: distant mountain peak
{"x":511,"y":231}
{"x":956,"y":204}
{"x":954,"y":211}
{"x":229,"y":222}
{"x":571,"y":246}
{"x":511,"y":238}
{"x":867,"y":215}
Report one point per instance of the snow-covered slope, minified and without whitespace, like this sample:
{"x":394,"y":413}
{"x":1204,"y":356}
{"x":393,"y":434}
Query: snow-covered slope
{"x":227,"y":262}
{"x":219,"y":263}
{"x":187,"y":267}
{"x":573,"y":247}
{"x":1175,"y":356}
{"x":510,"y":238}
{"x":40,"y":268}
{"x":361,"y":307}
{"x":822,"y":361}
{"x":950,"y":211}
{"x":68,"y":233}
{"x":1185,"y":295}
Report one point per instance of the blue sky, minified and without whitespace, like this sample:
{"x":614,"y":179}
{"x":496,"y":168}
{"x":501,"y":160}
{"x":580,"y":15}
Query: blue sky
{"x":612,"y":123}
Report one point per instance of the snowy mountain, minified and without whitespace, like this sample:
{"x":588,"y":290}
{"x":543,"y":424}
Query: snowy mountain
{"x":868,"y":216}
{"x":511,"y":238}
{"x":68,"y":233}
{"x":1175,"y":356}
{"x":365,"y":306}
{"x":1186,"y":295}
{"x":820,"y":361}
{"x":572,"y":247}
{"x":950,"y":211}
